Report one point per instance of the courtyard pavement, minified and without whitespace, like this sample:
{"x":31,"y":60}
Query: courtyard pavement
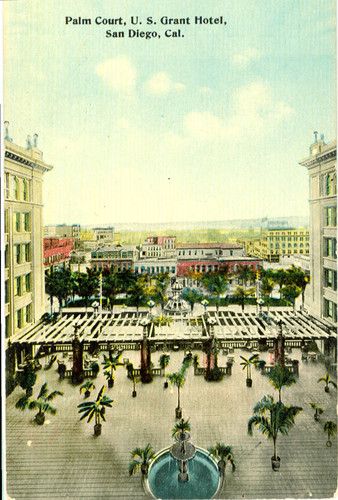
{"x":63,"y":460}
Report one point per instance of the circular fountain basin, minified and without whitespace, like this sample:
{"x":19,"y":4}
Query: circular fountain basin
{"x":204,"y":477}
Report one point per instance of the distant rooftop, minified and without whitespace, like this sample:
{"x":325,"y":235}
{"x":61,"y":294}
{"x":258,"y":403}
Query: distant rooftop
{"x":207,"y":245}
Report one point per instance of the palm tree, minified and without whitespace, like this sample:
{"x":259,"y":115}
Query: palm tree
{"x":159,"y":291}
{"x":41,"y":403}
{"x":164,"y":362}
{"x":267,"y":286}
{"x":110,"y":364}
{"x":272,"y":418}
{"x":141,"y":458}
{"x":181,"y":428}
{"x":26,"y":379}
{"x":216,"y":284}
{"x":96,"y":409}
{"x":137,"y":291}
{"x":131,"y":375}
{"x":178,"y":380}
{"x":191,"y":296}
{"x":111,"y":286}
{"x":87,"y":387}
{"x":327,"y":381}
{"x":223,"y":454}
{"x":330,"y":428}
{"x":88,"y":284}
{"x":317,"y":409}
{"x":290,"y":292}
{"x":300,"y":279}
{"x":281,"y":377}
{"x":247,"y":363}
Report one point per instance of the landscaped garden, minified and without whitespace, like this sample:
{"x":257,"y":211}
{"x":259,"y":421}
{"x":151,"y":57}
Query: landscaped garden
{"x":286,"y":453}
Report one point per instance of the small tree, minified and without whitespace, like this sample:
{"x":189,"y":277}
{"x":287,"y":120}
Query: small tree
{"x":87,"y":387}
{"x":164,"y":362}
{"x":223,"y":454}
{"x":330,"y":428}
{"x":110,"y":364}
{"x":281,"y":377}
{"x":191,"y":296}
{"x":26,"y":379}
{"x":247,"y":363}
{"x":97,"y":409}
{"x":41,"y":403}
{"x":131,"y":375}
{"x":178,"y":380}
{"x":327,"y":381}
{"x":141,"y":458}
{"x":317,"y":409}
{"x":272,"y":418}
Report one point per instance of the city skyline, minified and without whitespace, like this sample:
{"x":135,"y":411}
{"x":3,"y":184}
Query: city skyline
{"x":211,"y":126}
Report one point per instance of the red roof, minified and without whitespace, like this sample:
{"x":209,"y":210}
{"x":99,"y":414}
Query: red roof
{"x":207,"y":245}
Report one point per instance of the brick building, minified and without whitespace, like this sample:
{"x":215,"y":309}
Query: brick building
{"x":56,"y":253}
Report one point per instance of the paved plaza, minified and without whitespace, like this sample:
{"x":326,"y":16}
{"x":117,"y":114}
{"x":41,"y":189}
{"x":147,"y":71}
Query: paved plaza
{"x":63,"y":459}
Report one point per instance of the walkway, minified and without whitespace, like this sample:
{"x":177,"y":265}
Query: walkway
{"x":63,"y":460}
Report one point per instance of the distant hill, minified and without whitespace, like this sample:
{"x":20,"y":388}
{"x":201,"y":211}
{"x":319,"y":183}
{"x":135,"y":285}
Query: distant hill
{"x":292,"y":221}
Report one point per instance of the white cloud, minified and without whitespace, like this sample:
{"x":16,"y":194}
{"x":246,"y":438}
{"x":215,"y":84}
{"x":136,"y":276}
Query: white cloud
{"x":119,"y":73}
{"x":242,"y":60}
{"x":161,"y":83}
{"x":254,"y":111}
{"x":205,"y":90}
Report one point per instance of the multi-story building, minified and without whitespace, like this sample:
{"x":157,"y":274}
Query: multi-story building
{"x":56,"y":253}
{"x":23,"y":235}
{"x":103,"y":234}
{"x":211,"y":257}
{"x":275,"y":243}
{"x":321,"y":164}
{"x":156,"y":266}
{"x":62,"y":231}
{"x":158,"y":246}
{"x":119,"y":258}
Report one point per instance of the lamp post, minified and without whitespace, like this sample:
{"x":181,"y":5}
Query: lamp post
{"x":204,"y":304}
{"x":260,"y":303}
{"x":150,"y":304}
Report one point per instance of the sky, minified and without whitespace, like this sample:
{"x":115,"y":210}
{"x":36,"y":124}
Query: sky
{"x":207,"y":126}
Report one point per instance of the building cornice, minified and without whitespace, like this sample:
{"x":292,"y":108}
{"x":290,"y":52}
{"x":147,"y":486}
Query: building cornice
{"x":43,"y":167}
{"x":323,"y":157}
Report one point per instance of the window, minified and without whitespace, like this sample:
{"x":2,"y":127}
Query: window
{"x":330,"y":247}
{"x":331,"y":216}
{"x":26,"y":221}
{"x":330,"y":310}
{"x":6,"y":256}
{"x":28,"y":313}
{"x":330,"y":277}
{"x":231,"y":252}
{"x":17,"y":287}
{"x":18,"y":315}
{"x":7,"y":186}
{"x":28,"y":282}
{"x":15,"y":188}
{"x":17,"y":216}
{"x":7,"y":291}
{"x":27,"y":252}
{"x":17,"y":254}
{"x":25,"y":190}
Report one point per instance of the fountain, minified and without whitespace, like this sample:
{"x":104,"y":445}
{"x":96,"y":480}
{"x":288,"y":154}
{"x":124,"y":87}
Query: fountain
{"x":175,"y":304}
{"x":202,"y":481}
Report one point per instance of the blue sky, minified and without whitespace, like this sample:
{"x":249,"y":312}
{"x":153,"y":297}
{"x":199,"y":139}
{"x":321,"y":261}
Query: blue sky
{"x":206,"y":127}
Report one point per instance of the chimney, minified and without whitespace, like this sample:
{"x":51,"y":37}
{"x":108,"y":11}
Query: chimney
{"x":28,"y":142}
{"x":322,"y":138}
{"x":35,"y":140}
{"x":316,"y":133}
{"x":7,"y":138}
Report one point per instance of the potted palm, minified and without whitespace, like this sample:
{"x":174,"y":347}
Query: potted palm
{"x":110,"y":364}
{"x":178,"y":380}
{"x":26,"y":379}
{"x":272,"y":418}
{"x":141,"y":458}
{"x":224,"y":455}
{"x":87,"y":387}
{"x":41,"y":403}
{"x":327,"y":381}
{"x":195,"y":362}
{"x":131,"y":375}
{"x":164,"y":362}
{"x":97,"y":409}
{"x":281,"y":377}
{"x":318,"y":411}
{"x":330,"y":428}
{"x":247,"y":363}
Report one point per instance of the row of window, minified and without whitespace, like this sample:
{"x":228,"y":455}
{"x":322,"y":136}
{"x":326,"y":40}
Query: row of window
{"x":289,"y":233}
{"x":195,"y":252}
{"x":155,"y":269}
{"x":112,"y":255}
{"x":289,"y":238}
{"x":55,"y":258}
{"x":17,"y":188}
{"x":116,"y":267}
{"x":289,"y":251}
{"x":301,"y":245}
{"x":22,"y":221}
{"x":329,"y":184}
{"x":22,"y":285}
{"x":23,"y":316}
{"x":22,"y":253}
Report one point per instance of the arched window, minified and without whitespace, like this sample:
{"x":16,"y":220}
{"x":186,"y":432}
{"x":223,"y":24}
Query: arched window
{"x":15,"y":188}
{"x":328,"y":184}
{"x":25,"y":190}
